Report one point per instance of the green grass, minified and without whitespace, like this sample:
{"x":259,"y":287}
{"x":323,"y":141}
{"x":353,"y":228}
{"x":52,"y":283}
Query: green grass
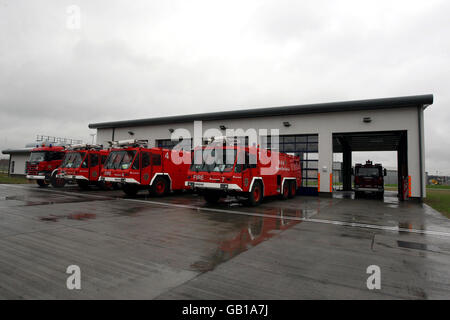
{"x":439,"y":200}
{"x":437,"y":186}
{"x":4,"y":178}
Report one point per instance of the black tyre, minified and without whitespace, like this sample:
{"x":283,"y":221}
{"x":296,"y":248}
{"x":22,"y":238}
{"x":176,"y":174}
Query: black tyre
{"x":212,"y":197}
{"x":105,"y":185}
{"x":130,"y":190}
{"x":292,"y":189}
{"x":256,"y":194}
{"x":285,"y":190}
{"x":42,"y":183}
{"x":160,"y":187}
{"x":82,"y":184}
{"x":57,"y":182}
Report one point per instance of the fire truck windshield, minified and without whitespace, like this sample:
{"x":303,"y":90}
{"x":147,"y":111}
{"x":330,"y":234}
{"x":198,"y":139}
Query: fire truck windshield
{"x":120,"y":159}
{"x":38,"y":156}
{"x":215,"y":162}
{"x":368,"y":172}
{"x":73,"y":159}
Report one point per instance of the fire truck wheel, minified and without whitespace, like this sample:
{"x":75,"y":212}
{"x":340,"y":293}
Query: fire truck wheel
{"x":292,"y":189}
{"x":211,"y":197}
{"x":130,"y":190}
{"x":117,"y":186}
{"x":285,"y":191}
{"x":42,"y":183}
{"x":57,"y":182}
{"x":256,"y":195}
{"x":84,"y":185}
{"x":160,"y":187}
{"x":106,"y":185}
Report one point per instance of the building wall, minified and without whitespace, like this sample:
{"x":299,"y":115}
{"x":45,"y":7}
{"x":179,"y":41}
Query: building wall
{"x":323,"y":124}
{"x":19,"y":163}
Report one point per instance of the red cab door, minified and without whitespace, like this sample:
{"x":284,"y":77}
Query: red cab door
{"x":146,"y":168}
{"x":94,"y":166}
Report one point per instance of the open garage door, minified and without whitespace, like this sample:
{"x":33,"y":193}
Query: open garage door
{"x":349,"y":142}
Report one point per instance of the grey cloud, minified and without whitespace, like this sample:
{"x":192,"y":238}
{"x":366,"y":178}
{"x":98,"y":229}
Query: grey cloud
{"x":173,"y":57}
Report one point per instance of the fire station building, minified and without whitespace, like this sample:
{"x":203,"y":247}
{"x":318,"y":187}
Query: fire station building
{"x":314,"y":132}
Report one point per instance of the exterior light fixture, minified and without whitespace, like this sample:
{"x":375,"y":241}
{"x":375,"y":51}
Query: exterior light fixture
{"x":171,"y":130}
{"x":286,"y":124}
{"x":131,"y":133}
{"x":367,"y":119}
{"x":223,"y":128}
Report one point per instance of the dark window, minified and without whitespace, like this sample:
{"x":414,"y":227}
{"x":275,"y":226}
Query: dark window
{"x":104,"y":159}
{"x":120,"y":159}
{"x":84,"y":164}
{"x":94,"y":160}
{"x":186,"y":144}
{"x":145,"y":159}
{"x":156,"y":159}
{"x":305,"y":146}
{"x":55,"y":156}
{"x":135,"y":165}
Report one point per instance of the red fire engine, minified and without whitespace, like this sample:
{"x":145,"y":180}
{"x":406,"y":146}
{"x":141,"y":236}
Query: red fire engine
{"x":253,"y":172}
{"x":42,"y":165}
{"x":82,"y":164}
{"x":135,"y":166}
{"x":369,"y":178}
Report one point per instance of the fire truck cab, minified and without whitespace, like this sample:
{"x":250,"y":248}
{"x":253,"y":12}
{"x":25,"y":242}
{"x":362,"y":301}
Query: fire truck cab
{"x":369,"y":178}
{"x":249,"y":174}
{"x":135,"y":166}
{"x":43,"y":162}
{"x":82,"y":164}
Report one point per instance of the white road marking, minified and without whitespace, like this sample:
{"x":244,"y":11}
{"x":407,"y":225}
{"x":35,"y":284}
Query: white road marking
{"x":324,"y":221}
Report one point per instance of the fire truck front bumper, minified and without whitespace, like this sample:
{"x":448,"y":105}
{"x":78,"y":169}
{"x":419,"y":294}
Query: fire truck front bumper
{"x":71,"y":177}
{"x":36,"y":177}
{"x":212,"y":185}
{"x":120,"y":180}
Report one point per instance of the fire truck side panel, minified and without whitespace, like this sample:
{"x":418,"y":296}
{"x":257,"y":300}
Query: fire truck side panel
{"x":147,"y":166}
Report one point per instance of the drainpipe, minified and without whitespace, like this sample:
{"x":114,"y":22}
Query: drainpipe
{"x":113,"y":132}
{"x":420,"y":113}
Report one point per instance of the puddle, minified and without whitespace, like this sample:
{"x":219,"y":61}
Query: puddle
{"x":412,"y":245}
{"x":74,"y":216}
{"x":81,"y":216}
{"x":53,"y":219}
{"x":253,"y":231}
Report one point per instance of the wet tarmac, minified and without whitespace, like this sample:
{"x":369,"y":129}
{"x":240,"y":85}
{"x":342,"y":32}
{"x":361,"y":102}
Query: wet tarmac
{"x":179,"y":247}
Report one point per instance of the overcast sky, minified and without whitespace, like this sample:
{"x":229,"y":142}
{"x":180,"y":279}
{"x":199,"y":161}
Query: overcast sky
{"x":140,"y":59}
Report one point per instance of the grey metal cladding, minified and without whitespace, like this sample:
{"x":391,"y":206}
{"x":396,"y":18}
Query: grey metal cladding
{"x":354,"y":105}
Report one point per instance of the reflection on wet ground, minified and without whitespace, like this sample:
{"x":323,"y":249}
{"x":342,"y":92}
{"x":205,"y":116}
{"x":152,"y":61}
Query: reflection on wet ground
{"x":37,"y":199}
{"x":412,"y":245}
{"x":253,"y":232}
{"x":72,"y":216}
{"x":185,"y":248}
